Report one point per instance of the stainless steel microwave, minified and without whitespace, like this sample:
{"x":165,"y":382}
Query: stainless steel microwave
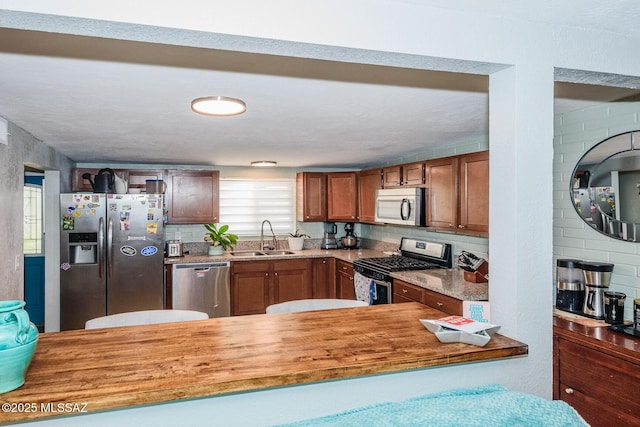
{"x":403,"y":206}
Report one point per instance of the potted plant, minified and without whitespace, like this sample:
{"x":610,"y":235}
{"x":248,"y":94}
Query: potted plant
{"x":220,"y":239}
{"x":296,"y":240}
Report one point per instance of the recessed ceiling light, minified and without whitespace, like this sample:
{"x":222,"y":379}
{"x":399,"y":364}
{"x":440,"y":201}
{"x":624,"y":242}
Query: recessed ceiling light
{"x":218,"y":106}
{"x":264,"y":163}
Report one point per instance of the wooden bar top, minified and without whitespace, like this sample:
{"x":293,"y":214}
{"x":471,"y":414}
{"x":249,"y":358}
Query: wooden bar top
{"x":114,"y":368}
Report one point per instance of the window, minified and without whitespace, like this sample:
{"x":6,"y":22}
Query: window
{"x":244,"y":204}
{"x":32,"y":220}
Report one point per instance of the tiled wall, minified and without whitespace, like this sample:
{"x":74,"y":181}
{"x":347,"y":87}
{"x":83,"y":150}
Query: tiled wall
{"x":575,"y":133}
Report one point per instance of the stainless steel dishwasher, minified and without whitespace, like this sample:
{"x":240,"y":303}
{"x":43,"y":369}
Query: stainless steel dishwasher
{"x":202,"y":287}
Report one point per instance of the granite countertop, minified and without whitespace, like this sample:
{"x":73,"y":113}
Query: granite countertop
{"x":342,"y":254}
{"x":117,"y":368}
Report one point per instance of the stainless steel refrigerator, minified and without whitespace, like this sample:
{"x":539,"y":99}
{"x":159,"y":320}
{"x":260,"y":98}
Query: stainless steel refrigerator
{"x":111,"y":255}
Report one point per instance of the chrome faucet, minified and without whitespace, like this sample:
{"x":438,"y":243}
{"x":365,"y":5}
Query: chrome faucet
{"x":264,"y":246}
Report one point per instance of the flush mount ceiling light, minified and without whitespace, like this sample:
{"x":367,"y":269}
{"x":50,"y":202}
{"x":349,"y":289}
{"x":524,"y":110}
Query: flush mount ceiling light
{"x":218,"y":106}
{"x":264,"y":163}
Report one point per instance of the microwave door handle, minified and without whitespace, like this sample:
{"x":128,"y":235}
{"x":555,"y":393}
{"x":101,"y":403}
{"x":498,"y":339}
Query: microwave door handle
{"x":405,"y":206}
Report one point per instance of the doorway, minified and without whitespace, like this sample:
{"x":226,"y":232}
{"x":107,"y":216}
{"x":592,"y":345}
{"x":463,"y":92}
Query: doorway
{"x":33,"y":238}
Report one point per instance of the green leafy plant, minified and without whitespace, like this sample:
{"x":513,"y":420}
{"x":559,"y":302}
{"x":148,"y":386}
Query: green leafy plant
{"x":218,"y":236}
{"x":298,"y":234}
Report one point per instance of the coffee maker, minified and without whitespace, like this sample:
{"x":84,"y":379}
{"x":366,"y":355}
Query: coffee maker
{"x":329,"y":240}
{"x":569,"y":285}
{"x":597,"y":276}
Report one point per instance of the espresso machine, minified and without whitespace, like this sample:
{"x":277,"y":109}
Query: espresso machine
{"x":597,"y":276}
{"x":329,"y":240}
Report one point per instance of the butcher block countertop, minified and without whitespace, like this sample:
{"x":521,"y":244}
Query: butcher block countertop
{"x":106,"y":369}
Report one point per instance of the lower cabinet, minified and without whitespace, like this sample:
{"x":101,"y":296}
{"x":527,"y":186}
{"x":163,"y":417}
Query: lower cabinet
{"x":323,"y":271}
{"x":598,"y":381}
{"x":406,"y":292}
{"x":256,"y":285}
{"x":344,"y":280}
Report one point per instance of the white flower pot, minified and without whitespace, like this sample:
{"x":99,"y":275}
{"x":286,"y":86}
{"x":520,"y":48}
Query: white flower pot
{"x":216,"y":250}
{"x":296,"y":243}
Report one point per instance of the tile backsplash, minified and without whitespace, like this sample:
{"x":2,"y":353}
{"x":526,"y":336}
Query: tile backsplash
{"x":575,"y":133}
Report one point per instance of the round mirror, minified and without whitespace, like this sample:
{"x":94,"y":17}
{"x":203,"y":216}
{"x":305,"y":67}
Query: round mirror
{"x":606,"y":187}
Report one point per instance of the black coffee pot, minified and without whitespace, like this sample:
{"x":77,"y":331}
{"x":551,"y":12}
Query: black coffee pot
{"x":103,"y":182}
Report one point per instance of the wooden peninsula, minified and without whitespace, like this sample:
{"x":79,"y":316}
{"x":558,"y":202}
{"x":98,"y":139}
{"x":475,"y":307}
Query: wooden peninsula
{"x":116,"y":368}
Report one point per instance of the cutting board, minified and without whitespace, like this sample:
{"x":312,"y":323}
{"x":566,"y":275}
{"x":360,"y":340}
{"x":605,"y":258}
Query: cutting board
{"x":582,"y":320}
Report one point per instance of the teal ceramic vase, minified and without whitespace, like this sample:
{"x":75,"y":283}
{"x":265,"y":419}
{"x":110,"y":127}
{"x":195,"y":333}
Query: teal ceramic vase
{"x":18,"y":339}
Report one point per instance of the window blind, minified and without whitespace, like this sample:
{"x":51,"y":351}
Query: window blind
{"x":244,"y":204}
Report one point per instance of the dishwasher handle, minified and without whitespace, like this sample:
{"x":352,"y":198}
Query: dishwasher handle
{"x":203,"y":267}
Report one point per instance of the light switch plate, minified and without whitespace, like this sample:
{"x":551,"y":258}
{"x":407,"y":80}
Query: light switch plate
{"x":4,"y":131}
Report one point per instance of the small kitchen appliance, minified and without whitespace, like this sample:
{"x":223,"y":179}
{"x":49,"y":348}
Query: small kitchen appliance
{"x":174,"y":248}
{"x":569,"y":285}
{"x":614,"y":307}
{"x":349,"y":241}
{"x":329,"y":240}
{"x":596,"y":280}
{"x":415,"y":255}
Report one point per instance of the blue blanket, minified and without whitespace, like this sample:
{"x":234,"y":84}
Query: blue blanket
{"x":485,"y":406}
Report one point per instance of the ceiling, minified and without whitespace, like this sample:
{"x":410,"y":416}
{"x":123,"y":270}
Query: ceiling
{"x":100,"y":100}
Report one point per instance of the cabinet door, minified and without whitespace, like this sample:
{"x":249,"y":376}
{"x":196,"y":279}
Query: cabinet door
{"x":392,"y":176}
{"x":344,"y":280}
{"x":474,"y":192}
{"x":292,"y":280}
{"x":413,"y":174}
{"x":250,"y":293}
{"x":342,"y":196}
{"x":442,"y":302}
{"x":406,"y":292}
{"x":369,"y":181}
{"x":323,"y":274}
{"x":442,"y":195}
{"x":193,"y":197}
{"x":311,"y":196}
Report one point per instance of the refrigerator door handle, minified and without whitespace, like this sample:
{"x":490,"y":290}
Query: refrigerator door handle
{"x":110,"y":247}
{"x":101,"y":247}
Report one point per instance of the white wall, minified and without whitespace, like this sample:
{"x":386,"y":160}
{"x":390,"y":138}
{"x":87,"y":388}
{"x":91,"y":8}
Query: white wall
{"x":575,"y":134}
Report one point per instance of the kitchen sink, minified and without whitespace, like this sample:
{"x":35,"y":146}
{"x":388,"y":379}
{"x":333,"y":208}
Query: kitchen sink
{"x":247,"y":253}
{"x":276,"y":252}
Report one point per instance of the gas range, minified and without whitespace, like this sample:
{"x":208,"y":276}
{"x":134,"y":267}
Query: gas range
{"x":415,"y":255}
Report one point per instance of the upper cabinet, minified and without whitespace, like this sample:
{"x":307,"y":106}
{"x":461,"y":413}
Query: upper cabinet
{"x":458,"y":193}
{"x":474,"y":192}
{"x":405,"y":175}
{"x":342,"y":196}
{"x":192,"y":196}
{"x":311,"y":196}
{"x":369,"y":181}
{"x":79,"y":184}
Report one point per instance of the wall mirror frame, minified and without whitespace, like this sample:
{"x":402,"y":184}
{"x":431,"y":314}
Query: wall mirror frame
{"x":605,"y":186}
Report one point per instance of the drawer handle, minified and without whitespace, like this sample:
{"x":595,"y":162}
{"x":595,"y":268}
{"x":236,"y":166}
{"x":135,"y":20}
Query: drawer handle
{"x":439,"y":304}
{"x":405,"y":291}
{"x":568,"y":390}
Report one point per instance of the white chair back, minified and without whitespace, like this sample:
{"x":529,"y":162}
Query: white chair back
{"x":144,"y":317}
{"x":313,"y":304}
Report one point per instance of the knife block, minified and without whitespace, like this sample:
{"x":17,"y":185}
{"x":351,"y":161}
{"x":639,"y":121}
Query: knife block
{"x":477,"y":276}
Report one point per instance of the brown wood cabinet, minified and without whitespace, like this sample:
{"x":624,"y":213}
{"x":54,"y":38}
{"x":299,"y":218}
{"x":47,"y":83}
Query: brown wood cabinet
{"x":458,"y":193}
{"x":597,"y":372}
{"x":256,"y":285}
{"x":392,"y":176}
{"x":404,"y":175}
{"x":138,"y":178}
{"x":344,"y":280}
{"x":407,"y":292}
{"x":342,"y":196}
{"x":369,"y":181}
{"x":474,"y":192}
{"x":311,"y":196}
{"x":323,"y":272}
{"x":192,"y":196}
